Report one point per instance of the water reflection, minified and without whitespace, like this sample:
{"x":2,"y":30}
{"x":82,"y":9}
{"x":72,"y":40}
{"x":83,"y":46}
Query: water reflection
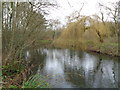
{"x":67,"y":69}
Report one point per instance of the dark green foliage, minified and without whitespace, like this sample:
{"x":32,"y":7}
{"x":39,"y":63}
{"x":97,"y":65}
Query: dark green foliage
{"x":11,"y":69}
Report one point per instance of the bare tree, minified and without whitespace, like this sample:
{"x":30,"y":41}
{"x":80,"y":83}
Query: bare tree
{"x":54,"y":25}
{"x":75,"y":15}
{"x":23,"y":23}
{"x":113,"y":11}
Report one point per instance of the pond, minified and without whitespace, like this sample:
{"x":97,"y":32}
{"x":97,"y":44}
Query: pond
{"x":64,"y":68}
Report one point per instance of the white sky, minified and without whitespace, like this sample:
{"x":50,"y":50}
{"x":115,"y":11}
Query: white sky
{"x":90,"y":8}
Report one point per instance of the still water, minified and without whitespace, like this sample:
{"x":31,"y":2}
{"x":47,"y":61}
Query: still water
{"x":64,"y":68}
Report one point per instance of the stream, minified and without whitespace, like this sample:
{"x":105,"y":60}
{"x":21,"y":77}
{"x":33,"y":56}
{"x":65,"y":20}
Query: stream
{"x":64,"y":68}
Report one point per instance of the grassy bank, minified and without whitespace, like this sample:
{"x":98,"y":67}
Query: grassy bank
{"x":105,"y":48}
{"x":34,"y":81}
{"x":23,"y":77}
{"x":108,"y":47}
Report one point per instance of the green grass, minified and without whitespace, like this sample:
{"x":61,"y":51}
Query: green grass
{"x":110,"y":48}
{"x":36,"y":81}
{"x":13,"y":86}
{"x":45,"y":41}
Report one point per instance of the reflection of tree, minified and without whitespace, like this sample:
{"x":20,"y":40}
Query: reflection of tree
{"x":74,"y":72}
{"x":80,"y":55}
{"x":115,"y":74}
{"x":105,"y":74}
{"x":118,"y":74}
{"x":97,"y":69}
{"x":36,"y":59}
{"x":90,"y":71}
{"x":77,"y":79}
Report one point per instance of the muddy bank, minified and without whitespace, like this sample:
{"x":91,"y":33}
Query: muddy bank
{"x":91,"y":49}
{"x":104,"y":53}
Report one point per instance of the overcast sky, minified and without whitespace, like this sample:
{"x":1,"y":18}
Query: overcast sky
{"x":69,"y":6}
